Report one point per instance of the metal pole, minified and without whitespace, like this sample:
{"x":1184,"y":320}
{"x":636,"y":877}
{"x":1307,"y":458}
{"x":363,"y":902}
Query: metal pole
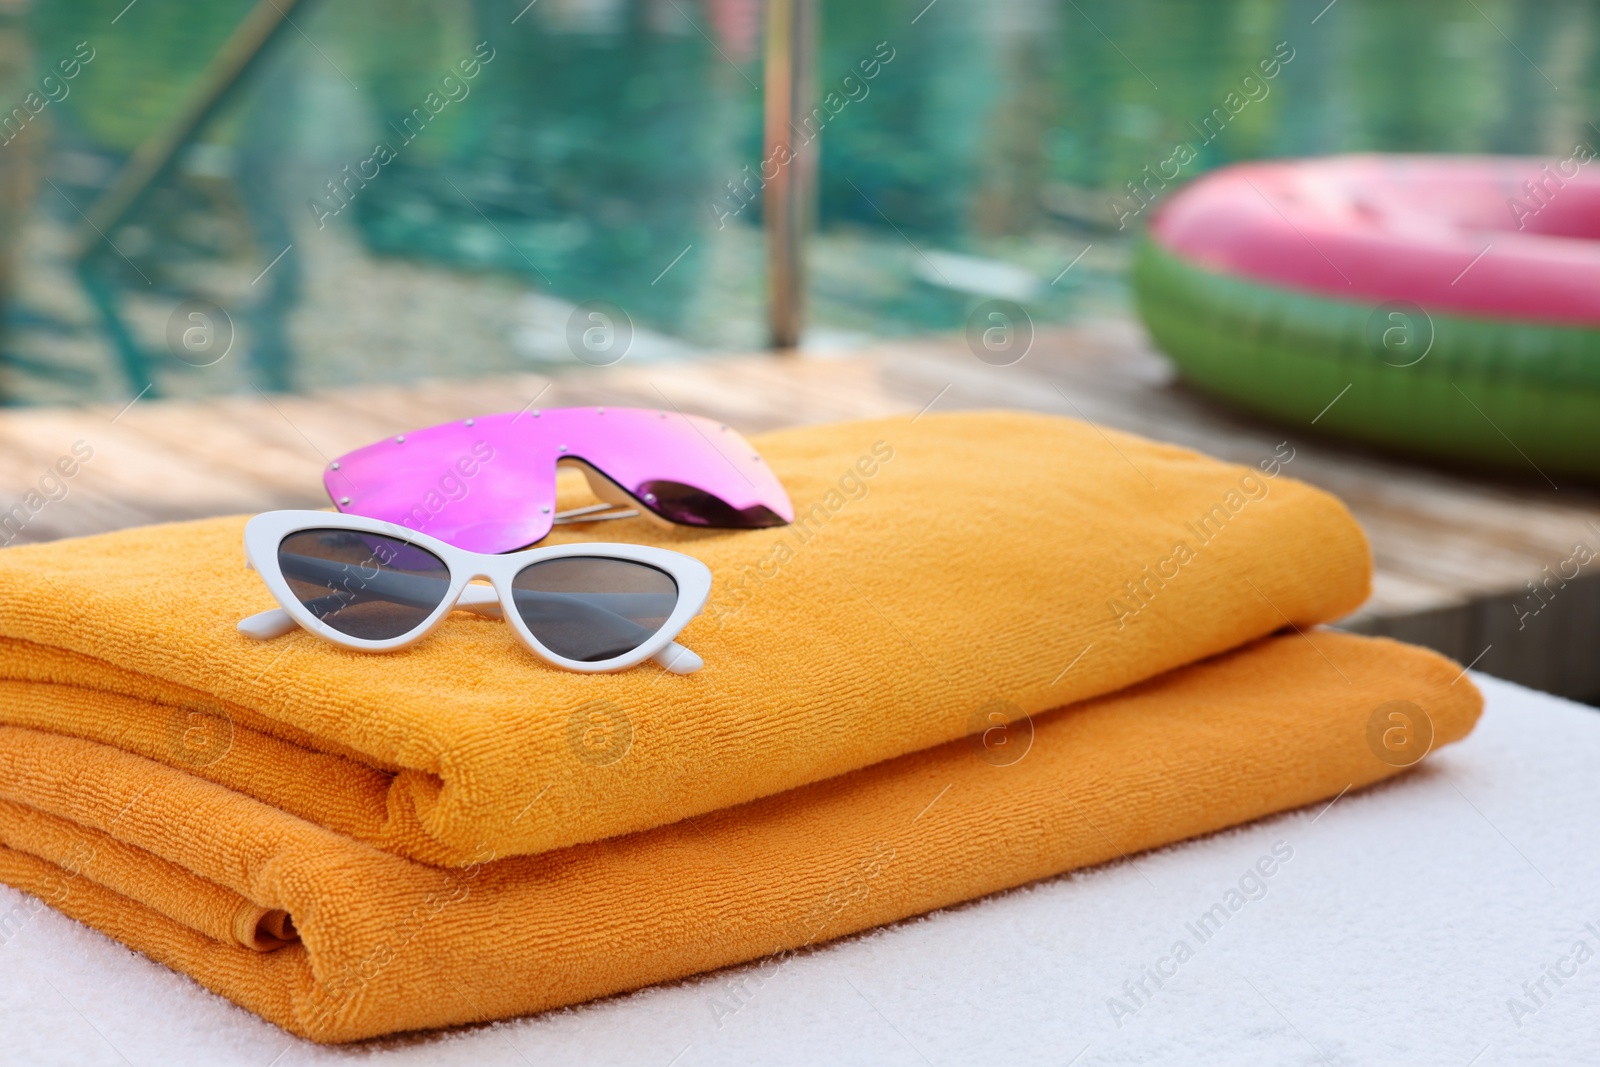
{"x":789,"y":148}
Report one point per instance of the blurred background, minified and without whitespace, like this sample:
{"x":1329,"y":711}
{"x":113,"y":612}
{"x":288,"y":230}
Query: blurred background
{"x":590,"y":159}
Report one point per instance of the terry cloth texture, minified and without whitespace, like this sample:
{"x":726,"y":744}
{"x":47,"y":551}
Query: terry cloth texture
{"x":191,"y":872}
{"x":940,"y":571}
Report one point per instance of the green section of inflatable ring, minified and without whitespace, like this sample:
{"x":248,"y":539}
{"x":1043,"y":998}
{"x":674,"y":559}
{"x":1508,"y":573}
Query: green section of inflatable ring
{"x":1485,"y":391}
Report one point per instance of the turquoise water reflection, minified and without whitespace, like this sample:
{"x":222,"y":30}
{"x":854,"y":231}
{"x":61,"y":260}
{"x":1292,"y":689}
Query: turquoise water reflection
{"x":426,"y":221}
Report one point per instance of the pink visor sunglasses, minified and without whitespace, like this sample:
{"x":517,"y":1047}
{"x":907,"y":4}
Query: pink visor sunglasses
{"x":488,"y":484}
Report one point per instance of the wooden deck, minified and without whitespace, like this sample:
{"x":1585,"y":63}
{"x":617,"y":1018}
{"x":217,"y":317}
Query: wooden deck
{"x":1454,"y":551}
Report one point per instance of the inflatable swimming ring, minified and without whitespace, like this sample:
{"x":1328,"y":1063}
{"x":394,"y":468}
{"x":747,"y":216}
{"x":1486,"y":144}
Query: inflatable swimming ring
{"x":1442,"y":305}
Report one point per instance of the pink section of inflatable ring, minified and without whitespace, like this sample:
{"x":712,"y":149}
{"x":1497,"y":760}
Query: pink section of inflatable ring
{"x":1378,"y":228}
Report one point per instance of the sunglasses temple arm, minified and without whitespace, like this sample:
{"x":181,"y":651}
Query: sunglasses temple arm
{"x":265,"y":625}
{"x":678,"y":660}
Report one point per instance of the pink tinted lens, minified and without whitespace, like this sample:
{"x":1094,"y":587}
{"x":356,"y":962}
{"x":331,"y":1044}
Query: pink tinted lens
{"x":489,"y":484}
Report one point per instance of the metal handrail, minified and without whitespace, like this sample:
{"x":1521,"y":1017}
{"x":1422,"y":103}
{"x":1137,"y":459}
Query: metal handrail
{"x":789,"y":197}
{"x":153,"y":160}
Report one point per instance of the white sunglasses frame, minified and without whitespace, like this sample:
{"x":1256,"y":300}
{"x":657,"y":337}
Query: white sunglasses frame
{"x":265,"y":532}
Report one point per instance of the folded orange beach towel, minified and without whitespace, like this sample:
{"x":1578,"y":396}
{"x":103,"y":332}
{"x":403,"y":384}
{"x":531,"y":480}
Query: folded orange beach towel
{"x":210,"y":881}
{"x":940,"y":569}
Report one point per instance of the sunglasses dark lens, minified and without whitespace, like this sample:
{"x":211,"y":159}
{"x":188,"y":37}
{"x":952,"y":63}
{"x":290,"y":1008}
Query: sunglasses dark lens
{"x":361,"y":584}
{"x":689,"y":506}
{"x":587,"y":608}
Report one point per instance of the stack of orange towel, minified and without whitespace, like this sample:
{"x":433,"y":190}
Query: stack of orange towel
{"x":992,"y":648}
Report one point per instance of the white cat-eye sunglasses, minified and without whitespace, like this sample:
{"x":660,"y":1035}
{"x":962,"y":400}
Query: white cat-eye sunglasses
{"x":374,"y":586}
